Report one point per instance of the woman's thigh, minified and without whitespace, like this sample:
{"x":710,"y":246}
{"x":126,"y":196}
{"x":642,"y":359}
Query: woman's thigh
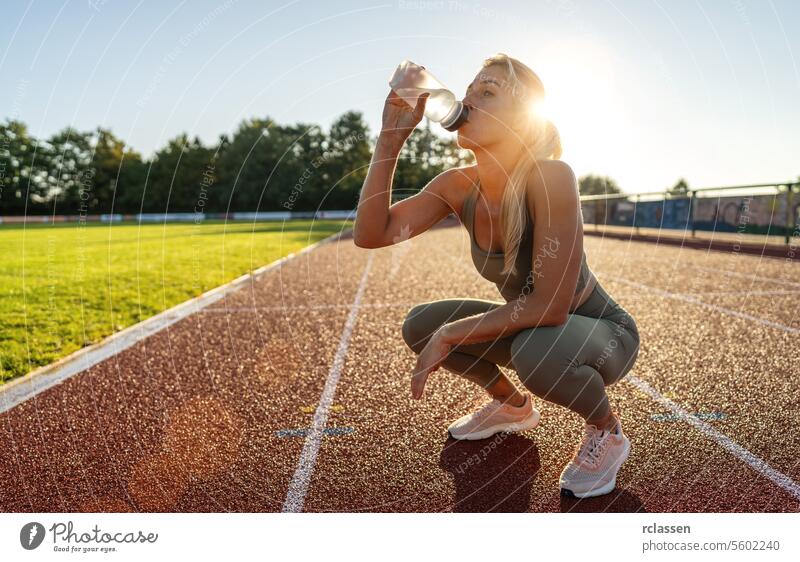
{"x":606,"y":345}
{"x":424,"y":319}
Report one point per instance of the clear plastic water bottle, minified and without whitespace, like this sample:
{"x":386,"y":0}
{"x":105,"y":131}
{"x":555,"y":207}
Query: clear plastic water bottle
{"x":410,"y":80}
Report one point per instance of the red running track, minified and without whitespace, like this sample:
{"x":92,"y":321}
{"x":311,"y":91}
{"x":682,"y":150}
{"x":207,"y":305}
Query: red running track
{"x":295,"y":395}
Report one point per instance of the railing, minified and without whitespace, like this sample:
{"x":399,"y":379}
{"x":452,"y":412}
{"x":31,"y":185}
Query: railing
{"x":703,"y":209}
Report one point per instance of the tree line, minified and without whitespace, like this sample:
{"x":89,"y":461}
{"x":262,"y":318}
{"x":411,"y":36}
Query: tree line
{"x":262,"y":166}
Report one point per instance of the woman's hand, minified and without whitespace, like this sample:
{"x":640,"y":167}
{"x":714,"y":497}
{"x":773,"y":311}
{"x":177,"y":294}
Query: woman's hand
{"x":427,"y":362}
{"x":398,"y":117}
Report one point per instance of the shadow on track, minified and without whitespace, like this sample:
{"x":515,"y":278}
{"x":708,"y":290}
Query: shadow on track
{"x":618,"y":501}
{"x":493,"y":474}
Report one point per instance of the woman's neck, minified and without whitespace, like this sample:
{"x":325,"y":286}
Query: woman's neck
{"x":494,"y":167}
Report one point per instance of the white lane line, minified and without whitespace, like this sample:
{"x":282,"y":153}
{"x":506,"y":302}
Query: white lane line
{"x":296,"y":495}
{"x":19,"y":390}
{"x":692,"y":300}
{"x":755,"y":462}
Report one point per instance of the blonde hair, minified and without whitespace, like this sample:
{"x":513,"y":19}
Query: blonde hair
{"x":541,"y":141}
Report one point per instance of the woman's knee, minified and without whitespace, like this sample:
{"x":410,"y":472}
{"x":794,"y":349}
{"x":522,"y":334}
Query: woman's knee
{"x":417,"y":328}
{"x":631,"y":348}
{"x":425,"y":318}
{"x":618,"y":357}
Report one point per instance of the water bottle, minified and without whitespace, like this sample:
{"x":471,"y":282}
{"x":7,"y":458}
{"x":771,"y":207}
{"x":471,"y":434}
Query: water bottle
{"x":410,"y":80}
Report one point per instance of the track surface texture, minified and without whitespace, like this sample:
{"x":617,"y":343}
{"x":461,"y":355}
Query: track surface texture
{"x":295,"y":395}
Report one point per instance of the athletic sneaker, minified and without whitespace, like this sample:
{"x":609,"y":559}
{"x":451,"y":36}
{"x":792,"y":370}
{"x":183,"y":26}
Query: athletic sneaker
{"x":494,"y":417}
{"x":593,"y":469}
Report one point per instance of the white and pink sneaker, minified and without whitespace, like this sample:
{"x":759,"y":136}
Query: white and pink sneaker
{"x":593,"y":469}
{"x":494,"y":417}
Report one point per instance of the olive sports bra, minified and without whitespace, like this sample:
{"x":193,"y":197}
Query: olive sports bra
{"x":490,"y":264}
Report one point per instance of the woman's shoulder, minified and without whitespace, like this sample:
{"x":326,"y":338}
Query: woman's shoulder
{"x":552,"y":178}
{"x":551,"y":172}
{"x":551,"y":183}
{"x":462,"y":178}
{"x":459,"y":185}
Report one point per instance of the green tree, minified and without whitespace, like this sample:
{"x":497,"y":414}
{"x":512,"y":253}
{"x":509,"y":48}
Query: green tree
{"x":263,"y":166}
{"x":176,"y":176}
{"x":129,"y":184}
{"x":597,"y":185}
{"x":67,"y":167}
{"x":114,"y":165}
{"x":16,"y":153}
{"x":246,"y":164}
{"x":346,"y":162}
{"x":680,"y":188}
{"x":301,"y":181}
{"x":424,"y":156}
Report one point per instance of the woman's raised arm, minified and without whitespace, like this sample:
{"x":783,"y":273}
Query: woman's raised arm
{"x":378,"y":223}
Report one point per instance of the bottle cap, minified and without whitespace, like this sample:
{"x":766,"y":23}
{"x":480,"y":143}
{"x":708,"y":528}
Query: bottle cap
{"x":462,"y":114}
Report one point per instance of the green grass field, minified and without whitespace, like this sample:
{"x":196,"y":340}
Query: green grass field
{"x":63,"y":287}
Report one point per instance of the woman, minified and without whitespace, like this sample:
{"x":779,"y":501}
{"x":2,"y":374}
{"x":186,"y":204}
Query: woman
{"x":564,"y":335}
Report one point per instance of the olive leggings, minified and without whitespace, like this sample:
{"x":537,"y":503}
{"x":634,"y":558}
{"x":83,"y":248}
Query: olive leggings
{"x":570,"y":364}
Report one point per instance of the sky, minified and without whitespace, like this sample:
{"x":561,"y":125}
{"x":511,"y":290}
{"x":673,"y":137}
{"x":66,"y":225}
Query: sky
{"x":643,"y":91}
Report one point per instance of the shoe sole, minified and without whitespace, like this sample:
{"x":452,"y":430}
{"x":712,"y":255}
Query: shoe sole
{"x":605,"y":488}
{"x":528,"y":423}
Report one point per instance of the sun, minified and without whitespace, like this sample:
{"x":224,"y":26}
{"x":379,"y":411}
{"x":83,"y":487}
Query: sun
{"x":540,"y":108}
{"x":583,"y":98}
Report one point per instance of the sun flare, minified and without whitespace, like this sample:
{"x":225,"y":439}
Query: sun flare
{"x":582,"y":98}
{"x":540,"y":108}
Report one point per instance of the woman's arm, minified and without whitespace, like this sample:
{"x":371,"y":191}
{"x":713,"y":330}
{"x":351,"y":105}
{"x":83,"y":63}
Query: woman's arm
{"x":377,"y":223}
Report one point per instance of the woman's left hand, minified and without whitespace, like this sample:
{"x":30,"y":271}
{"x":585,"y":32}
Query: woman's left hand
{"x":427,"y":362}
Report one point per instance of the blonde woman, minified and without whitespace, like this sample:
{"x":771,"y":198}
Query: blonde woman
{"x":566,"y":338}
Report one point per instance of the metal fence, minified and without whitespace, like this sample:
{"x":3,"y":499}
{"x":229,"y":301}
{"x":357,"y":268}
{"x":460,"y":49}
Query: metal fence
{"x":768,"y":209}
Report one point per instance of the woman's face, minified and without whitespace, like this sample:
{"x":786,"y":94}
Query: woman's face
{"x":492,"y":108}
